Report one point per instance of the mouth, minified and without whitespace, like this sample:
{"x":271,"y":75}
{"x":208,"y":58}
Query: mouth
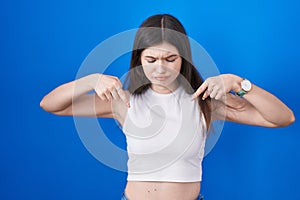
{"x":161,"y":78}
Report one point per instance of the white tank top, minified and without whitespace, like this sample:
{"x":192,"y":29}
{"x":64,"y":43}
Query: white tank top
{"x":165,"y":137}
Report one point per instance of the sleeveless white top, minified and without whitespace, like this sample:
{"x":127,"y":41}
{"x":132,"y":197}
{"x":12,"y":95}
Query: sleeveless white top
{"x":165,"y":137}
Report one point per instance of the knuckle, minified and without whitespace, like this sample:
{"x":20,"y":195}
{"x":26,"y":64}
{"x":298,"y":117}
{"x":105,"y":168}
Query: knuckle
{"x":104,"y":90}
{"x":111,"y":88}
{"x":115,"y":82}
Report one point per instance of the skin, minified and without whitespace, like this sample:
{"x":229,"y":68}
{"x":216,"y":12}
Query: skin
{"x":161,"y":64}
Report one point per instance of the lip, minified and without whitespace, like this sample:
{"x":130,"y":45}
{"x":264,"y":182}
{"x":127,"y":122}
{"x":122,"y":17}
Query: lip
{"x":161,"y":78}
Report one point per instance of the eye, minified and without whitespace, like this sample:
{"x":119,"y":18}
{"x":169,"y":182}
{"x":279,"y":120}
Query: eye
{"x":151,"y":61}
{"x":170,"y":60}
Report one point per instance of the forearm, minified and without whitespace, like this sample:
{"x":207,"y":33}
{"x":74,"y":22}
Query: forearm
{"x":269,"y":106}
{"x":62,"y":96}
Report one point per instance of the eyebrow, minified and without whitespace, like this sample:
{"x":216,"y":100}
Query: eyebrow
{"x":172,"y":55}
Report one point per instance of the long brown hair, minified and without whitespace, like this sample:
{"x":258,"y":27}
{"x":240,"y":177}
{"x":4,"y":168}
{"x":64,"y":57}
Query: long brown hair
{"x":155,"y":30}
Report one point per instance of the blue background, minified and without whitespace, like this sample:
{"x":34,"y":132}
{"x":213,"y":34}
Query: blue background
{"x":43,"y":44}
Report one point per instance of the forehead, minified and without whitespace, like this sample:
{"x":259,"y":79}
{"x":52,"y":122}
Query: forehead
{"x":162,"y":49}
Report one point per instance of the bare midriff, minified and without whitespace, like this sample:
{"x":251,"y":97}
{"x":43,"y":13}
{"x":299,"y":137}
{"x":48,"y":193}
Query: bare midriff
{"x":154,"y":190}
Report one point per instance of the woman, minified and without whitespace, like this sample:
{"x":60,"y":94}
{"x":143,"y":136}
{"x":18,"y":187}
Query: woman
{"x":167,"y":110}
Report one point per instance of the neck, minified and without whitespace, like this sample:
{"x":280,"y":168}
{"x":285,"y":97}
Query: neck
{"x":163,"y":89}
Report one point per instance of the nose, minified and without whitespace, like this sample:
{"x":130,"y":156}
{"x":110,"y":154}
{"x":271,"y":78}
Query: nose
{"x":160,"y":68}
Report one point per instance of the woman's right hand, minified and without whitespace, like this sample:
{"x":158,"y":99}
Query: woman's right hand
{"x":109,"y":88}
{"x":73,"y":98}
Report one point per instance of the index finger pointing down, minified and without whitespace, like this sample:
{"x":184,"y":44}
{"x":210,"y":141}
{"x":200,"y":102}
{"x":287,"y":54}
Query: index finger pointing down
{"x":123,"y":97}
{"x":200,"y":90}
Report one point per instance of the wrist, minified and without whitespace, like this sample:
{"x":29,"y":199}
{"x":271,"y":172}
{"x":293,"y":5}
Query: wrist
{"x":90,"y":81}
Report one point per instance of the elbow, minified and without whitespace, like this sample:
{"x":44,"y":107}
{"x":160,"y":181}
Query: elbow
{"x":44,"y":106}
{"x":48,"y":107}
{"x":289,"y":119}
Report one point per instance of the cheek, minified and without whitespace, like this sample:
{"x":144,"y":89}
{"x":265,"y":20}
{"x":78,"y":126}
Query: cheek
{"x":147,"y":70}
{"x":177,"y":66}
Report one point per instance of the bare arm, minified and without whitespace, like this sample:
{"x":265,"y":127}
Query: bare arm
{"x":73,"y":99}
{"x":264,"y":108}
{"x":257,"y":107}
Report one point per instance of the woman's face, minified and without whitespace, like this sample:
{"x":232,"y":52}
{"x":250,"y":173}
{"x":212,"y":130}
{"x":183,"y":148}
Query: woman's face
{"x":161,"y":64}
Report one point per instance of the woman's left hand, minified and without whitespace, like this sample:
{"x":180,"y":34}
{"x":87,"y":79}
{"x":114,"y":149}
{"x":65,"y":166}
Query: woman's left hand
{"x":218,"y":86}
{"x":258,"y":107}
